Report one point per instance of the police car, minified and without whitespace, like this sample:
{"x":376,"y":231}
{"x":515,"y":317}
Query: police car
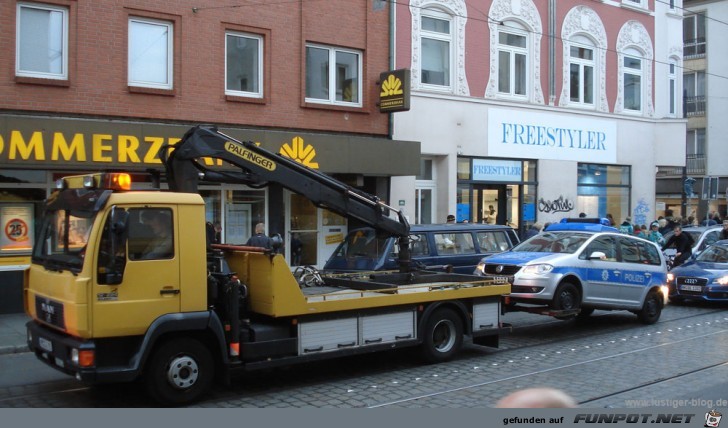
{"x":581,"y":265}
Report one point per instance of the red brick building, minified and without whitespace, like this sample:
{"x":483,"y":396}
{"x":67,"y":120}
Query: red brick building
{"x":102,"y":85}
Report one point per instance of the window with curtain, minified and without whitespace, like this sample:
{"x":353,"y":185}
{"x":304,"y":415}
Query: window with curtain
{"x":150,"y":53}
{"x":42,"y":41}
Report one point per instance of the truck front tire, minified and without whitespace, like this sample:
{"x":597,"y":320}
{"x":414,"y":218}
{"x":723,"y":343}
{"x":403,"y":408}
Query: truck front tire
{"x":179,"y":372}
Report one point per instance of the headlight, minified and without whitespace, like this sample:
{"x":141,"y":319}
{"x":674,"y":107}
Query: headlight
{"x":480,"y":269}
{"x":538,"y":269}
{"x":723,"y":280}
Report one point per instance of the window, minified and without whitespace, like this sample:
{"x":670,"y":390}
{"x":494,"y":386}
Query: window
{"x":493,"y":242}
{"x":436,"y":39}
{"x":243,"y":65}
{"x":605,"y":189}
{"x":338,"y":85}
{"x":694,"y":35}
{"x":42,"y":41}
{"x":425,"y":187}
{"x":672,"y":88}
{"x":512,"y":63}
{"x":632,"y":81}
{"x":454,"y":243}
{"x":150,"y":234}
{"x":694,"y":93}
{"x":695,"y":151}
{"x":581,"y":73}
{"x":150,"y":53}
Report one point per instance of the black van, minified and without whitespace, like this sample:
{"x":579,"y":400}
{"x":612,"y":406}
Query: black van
{"x":432,"y":246}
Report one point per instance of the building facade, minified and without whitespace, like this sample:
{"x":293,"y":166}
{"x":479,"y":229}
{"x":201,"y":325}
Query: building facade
{"x":531,"y":111}
{"x":705,"y":106}
{"x":106,"y":85}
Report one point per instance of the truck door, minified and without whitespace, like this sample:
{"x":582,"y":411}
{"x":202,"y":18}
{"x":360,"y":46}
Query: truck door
{"x":145,"y":281}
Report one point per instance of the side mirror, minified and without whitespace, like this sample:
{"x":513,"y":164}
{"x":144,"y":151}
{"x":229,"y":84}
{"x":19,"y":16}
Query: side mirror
{"x":597,"y":255}
{"x":276,"y":242}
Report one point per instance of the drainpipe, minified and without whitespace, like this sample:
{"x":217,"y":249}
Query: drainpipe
{"x":552,"y":51}
{"x":392,"y":5}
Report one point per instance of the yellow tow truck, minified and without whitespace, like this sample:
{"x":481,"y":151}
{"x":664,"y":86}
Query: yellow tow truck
{"x":125,"y":285}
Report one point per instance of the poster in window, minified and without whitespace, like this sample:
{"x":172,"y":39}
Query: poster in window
{"x":17,"y":228}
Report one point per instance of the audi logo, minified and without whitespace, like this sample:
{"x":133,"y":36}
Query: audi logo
{"x":691,"y":281}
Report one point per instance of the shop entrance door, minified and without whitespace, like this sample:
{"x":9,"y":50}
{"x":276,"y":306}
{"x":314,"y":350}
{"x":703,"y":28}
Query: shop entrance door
{"x":496,"y":204}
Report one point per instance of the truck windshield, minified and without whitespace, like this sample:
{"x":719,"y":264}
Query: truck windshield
{"x":65,"y":229}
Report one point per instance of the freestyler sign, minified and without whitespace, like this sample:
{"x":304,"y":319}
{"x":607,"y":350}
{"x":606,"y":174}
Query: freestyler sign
{"x":519,"y":134}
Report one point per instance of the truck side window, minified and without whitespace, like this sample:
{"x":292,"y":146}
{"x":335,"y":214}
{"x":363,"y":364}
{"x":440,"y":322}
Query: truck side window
{"x":151,"y":234}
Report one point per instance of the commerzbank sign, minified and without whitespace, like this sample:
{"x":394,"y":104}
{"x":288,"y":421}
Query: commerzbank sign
{"x":533,"y":135}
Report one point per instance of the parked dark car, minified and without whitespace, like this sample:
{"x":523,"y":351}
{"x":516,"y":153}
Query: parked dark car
{"x":703,"y":277}
{"x":433,"y":246}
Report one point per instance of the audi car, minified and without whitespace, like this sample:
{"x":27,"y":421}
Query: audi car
{"x":703,"y":277}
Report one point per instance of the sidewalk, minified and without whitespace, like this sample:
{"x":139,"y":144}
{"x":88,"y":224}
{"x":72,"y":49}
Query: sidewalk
{"x":12,"y":333}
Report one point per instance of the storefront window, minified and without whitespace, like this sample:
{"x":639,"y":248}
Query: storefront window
{"x":243,"y":210}
{"x":463,"y":204}
{"x":604,"y":189}
{"x":213,"y":213}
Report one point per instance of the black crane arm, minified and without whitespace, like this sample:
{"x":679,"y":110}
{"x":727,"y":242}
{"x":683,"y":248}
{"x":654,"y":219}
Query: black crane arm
{"x":258,"y":167}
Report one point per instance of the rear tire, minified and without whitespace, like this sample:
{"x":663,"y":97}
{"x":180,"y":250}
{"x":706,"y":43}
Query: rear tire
{"x":651,"y":308}
{"x":443,"y":336}
{"x":179,"y":372}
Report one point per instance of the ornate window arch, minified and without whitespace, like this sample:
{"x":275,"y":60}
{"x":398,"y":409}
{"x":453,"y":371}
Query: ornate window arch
{"x":582,"y":21}
{"x":524,"y":13}
{"x":634,"y":44}
{"x":458,"y":14}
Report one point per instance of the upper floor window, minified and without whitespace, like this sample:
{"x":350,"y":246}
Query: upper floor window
{"x":436,"y":39}
{"x":694,"y":84}
{"x":694,"y":35}
{"x":581,"y":72}
{"x":243,"y":65}
{"x":150,"y":53}
{"x":672,"y":84}
{"x":42,"y":41}
{"x":512,"y":62}
{"x":339,"y":84}
{"x":632,"y":81}
{"x":639,"y":3}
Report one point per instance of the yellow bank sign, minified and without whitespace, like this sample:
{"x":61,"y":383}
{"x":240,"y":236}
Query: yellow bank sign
{"x":394,"y":94}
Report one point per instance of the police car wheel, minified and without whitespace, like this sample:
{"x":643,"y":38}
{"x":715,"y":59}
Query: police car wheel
{"x":651,"y":309}
{"x":566,"y":297}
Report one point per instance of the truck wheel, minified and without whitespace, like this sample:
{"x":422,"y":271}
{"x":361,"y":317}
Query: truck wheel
{"x":443,"y":336}
{"x":566,"y":297}
{"x":651,"y":309}
{"x":179,"y":372}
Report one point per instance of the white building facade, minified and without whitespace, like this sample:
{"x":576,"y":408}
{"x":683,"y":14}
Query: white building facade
{"x":531,"y":111}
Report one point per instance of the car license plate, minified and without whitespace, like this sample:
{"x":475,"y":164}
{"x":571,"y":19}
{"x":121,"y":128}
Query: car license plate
{"x":502,"y":279}
{"x":45,"y":344}
{"x":691,"y":288}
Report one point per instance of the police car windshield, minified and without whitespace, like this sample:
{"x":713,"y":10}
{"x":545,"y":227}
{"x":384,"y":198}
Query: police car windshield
{"x":566,"y":242}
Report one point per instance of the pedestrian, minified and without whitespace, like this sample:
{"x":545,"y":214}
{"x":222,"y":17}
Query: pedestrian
{"x":654,"y":234}
{"x":218,"y":233}
{"x":296,"y":250}
{"x":536,"y":398}
{"x":611,"y":220}
{"x":683,"y":244}
{"x":532,"y":231}
{"x":450,"y":218}
{"x":626,"y":226}
{"x":724,"y":231}
{"x":259,"y":239}
{"x":582,"y":215}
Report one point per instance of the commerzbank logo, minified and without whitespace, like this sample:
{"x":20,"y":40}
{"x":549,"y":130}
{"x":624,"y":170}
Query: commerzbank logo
{"x":300,"y":152}
{"x":391,"y":86}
